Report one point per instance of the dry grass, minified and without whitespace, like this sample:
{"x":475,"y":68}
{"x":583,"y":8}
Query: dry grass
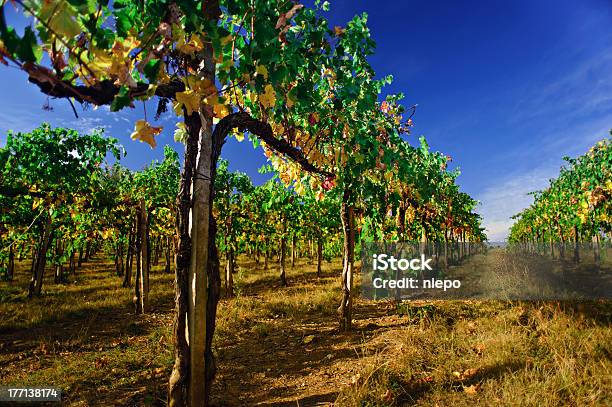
{"x":486,"y":353}
{"x":84,"y":337}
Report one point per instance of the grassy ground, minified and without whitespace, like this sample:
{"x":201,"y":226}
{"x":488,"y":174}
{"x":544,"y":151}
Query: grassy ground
{"x":281,"y":346}
{"x":84,"y":337}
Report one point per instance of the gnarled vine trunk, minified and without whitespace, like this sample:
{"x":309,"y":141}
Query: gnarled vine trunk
{"x":197,"y":267}
{"x":319,"y":256}
{"x":281,"y":257}
{"x":167,"y":248}
{"x":348,"y":230}
{"x":293,"y":249}
{"x":80,"y":261}
{"x":401,"y":222}
{"x":142,"y":259}
{"x":229,"y":273}
{"x":72,"y":260}
{"x":59,"y":267}
{"x":576,"y":244}
{"x":178,"y":392}
{"x":38,"y":271}
{"x":197,"y":281}
{"x":596,"y":253}
{"x":127,"y":277}
{"x":10,"y":272}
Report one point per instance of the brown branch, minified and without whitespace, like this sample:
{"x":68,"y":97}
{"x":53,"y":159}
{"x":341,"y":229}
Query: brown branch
{"x":101,"y":93}
{"x":244,"y":122}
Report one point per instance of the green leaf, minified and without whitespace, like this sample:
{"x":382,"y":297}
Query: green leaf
{"x":10,"y":39}
{"x":28,"y":49}
{"x":84,"y":6}
{"x":121,"y":100}
{"x":119,"y":4}
{"x":151,"y":70}
{"x":123,"y":22}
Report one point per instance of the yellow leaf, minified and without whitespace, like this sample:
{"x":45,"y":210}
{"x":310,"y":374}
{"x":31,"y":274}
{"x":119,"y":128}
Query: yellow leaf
{"x":60,"y":17}
{"x":204,"y":87}
{"x":299,"y":188}
{"x":220,"y":110}
{"x":145,"y":132}
{"x":268,"y":98}
{"x":262,"y":70}
{"x":285,"y":177}
{"x":116,"y":63}
{"x":99,"y":65}
{"x":278,"y":128}
{"x":339,"y":31}
{"x":36,"y":203}
{"x":122,"y":48}
{"x":290,"y":100}
{"x":192,"y":46}
{"x":189,"y":99}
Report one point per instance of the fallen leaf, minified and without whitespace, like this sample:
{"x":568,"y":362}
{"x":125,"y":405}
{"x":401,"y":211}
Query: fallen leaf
{"x":473,"y":389}
{"x":468,"y":373}
{"x":426,"y":379}
{"x":308,"y":339}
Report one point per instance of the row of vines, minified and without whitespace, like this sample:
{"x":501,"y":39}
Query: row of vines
{"x":574,"y":209}
{"x":60,"y":209}
{"x":273,"y":71}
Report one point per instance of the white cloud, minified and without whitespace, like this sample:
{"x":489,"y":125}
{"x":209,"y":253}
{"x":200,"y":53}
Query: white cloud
{"x":562,"y":116}
{"x":508,"y":197}
{"x":21,"y":118}
{"x":86,"y":125}
{"x":571,"y":98}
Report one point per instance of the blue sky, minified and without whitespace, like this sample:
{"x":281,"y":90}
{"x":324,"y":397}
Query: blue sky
{"x":505,"y":87}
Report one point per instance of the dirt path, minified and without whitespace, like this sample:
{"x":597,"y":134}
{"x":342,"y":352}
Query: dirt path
{"x":301,"y":360}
